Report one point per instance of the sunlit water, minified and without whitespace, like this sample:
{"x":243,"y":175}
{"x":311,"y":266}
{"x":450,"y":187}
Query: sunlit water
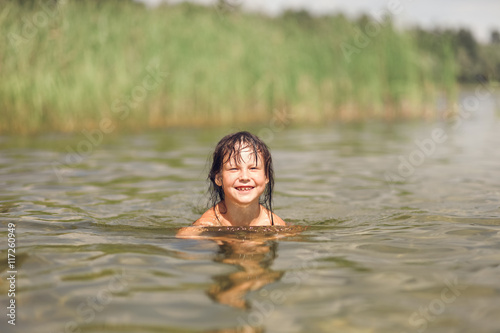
{"x":401,"y":237}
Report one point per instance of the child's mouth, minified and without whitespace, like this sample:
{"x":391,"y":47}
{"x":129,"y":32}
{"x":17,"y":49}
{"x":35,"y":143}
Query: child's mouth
{"x":244,"y":188}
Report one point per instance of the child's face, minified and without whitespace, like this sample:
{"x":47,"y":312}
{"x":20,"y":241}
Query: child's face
{"x":243,"y":182}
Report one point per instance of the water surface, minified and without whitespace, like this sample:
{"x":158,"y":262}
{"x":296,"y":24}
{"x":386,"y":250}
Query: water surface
{"x":400,"y":238}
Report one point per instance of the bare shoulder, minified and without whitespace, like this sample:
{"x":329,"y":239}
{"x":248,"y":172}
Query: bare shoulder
{"x":208,"y":219}
{"x":278,"y":220}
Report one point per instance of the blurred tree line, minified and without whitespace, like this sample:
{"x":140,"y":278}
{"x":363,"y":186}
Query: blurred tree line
{"x":476,"y":61}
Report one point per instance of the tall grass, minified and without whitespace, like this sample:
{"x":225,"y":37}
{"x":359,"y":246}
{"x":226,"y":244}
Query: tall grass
{"x":188,"y":66}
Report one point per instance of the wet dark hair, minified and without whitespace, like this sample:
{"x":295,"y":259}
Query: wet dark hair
{"x":229,"y":147}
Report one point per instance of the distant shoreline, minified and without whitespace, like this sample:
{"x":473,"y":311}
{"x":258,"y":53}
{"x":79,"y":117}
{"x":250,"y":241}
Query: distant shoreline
{"x":120,"y":66}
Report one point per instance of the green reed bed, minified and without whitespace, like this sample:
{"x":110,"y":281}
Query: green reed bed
{"x":191,"y":66}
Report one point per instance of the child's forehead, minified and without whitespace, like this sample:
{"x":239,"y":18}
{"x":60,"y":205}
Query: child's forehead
{"x":245,"y":153}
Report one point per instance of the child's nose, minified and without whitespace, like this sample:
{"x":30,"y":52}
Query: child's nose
{"x":244,"y":174}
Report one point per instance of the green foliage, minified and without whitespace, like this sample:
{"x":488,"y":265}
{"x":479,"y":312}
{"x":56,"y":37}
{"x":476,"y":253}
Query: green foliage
{"x":69,"y":65}
{"x":475,"y":62}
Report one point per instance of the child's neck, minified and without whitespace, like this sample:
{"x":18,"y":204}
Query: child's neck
{"x":241,"y":215}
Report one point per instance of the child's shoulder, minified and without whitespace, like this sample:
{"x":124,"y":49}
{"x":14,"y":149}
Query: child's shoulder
{"x":208,"y":219}
{"x":276,"y":219}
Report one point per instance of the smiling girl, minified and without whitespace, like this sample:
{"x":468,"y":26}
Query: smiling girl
{"x":241,"y":173}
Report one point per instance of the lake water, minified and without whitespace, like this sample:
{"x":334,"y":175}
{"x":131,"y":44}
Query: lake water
{"x":403,"y":231}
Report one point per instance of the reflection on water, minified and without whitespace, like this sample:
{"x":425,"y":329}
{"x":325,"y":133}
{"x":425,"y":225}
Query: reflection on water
{"x":254,"y":260}
{"x":97,"y":250}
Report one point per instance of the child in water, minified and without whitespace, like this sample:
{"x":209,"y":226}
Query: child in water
{"x":241,"y":172}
